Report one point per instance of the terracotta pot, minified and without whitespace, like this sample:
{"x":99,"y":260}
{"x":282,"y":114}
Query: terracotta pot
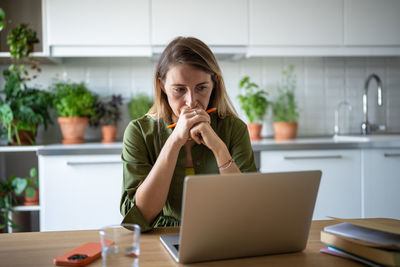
{"x":32,"y":201}
{"x":27,"y":138}
{"x":254,"y":131}
{"x":285,"y":130}
{"x":73,"y":129}
{"x":109,"y":132}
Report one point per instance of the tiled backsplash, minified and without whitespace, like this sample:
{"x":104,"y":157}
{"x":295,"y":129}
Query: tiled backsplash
{"x":322,"y":83}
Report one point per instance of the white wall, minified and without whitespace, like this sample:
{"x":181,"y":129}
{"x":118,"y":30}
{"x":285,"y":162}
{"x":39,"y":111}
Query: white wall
{"x":321,"y":84}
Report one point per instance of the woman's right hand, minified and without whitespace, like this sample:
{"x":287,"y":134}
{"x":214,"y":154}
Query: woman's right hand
{"x":187,"y":119}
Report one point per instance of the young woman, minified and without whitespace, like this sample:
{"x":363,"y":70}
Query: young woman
{"x":188,"y":82}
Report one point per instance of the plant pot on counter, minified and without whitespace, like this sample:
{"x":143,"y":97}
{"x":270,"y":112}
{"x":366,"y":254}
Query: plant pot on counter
{"x":73,"y":129}
{"x":254,"y":131}
{"x":26,"y":138}
{"x":109,"y":133}
{"x":285,"y":130}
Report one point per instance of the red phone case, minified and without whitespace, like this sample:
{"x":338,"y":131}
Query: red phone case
{"x":81,"y":255}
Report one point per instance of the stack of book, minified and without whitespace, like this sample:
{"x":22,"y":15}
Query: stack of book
{"x":372,"y":241}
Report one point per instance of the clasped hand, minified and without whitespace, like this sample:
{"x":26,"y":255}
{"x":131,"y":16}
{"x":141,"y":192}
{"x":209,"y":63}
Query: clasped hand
{"x":195,"y":124}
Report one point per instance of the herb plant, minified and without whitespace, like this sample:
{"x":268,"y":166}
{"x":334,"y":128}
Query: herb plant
{"x":139,"y":106}
{"x":73,"y":99}
{"x":285,"y":107}
{"x":254,"y":102}
{"x":107,"y":112}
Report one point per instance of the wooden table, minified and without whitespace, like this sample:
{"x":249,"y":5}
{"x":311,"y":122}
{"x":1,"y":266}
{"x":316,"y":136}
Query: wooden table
{"x":39,"y":248}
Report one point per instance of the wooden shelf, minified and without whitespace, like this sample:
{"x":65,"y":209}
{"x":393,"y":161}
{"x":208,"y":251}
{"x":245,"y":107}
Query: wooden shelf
{"x":39,"y":56}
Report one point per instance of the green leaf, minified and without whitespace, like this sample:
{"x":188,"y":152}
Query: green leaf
{"x":2,"y":18}
{"x":19,"y":185}
{"x":33,"y":172}
{"x":30,"y":191}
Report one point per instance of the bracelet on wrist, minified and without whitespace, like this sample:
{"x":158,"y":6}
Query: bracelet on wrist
{"x":226,"y":165}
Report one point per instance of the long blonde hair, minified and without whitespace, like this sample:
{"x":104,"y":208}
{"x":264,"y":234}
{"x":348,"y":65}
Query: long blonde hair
{"x":191,"y":51}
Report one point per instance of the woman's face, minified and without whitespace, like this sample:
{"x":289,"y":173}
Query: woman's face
{"x":188,"y":86}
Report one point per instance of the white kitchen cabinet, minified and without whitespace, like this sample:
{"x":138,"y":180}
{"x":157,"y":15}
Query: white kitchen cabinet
{"x":79,"y":191}
{"x":340,"y":188}
{"x":222,"y":22}
{"x":98,"y":28}
{"x":371,"y":22}
{"x":296,"y":23}
{"x":381,"y":183}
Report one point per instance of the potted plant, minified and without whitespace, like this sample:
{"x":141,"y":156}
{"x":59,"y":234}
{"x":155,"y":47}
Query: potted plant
{"x":255,"y":104}
{"x":31,"y":190}
{"x":75,"y":105}
{"x":139,"y":106}
{"x":21,"y":40}
{"x":285,"y":107}
{"x":23,"y":109}
{"x":108,"y":114}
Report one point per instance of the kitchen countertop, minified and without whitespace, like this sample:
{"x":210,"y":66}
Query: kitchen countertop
{"x":340,"y":142}
{"x":301,"y":143}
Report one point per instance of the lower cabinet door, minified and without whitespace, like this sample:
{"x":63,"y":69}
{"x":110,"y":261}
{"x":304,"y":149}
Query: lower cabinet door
{"x":79,"y":192}
{"x":339,"y":193}
{"x":381,"y":183}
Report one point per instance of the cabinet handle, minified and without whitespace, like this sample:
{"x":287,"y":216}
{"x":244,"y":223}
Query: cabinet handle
{"x":391,"y":155}
{"x":76,"y":163}
{"x":313,"y":157}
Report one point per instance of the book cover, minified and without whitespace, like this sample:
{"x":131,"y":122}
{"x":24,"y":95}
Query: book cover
{"x":365,"y":236}
{"x":340,"y":253}
{"x":378,"y":255}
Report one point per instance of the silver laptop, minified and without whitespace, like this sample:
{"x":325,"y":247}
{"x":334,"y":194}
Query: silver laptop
{"x":242,"y":215}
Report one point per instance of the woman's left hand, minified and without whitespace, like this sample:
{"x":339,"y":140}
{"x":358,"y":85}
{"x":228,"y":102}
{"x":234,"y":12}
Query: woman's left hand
{"x":203,"y":133}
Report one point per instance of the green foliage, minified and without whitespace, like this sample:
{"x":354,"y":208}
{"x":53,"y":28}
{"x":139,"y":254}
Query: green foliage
{"x":73,"y":99}
{"x":139,"y":106}
{"x":285,"y":107}
{"x":13,"y":187}
{"x":254,"y":102}
{"x":23,"y":108}
{"x":107,"y":111}
{"x":21,"y":40}
{"x":2,"y":18}
{"x":32,"y":182}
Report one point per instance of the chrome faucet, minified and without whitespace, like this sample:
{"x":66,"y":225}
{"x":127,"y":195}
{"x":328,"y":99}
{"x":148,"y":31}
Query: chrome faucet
{"x":366,"y":127}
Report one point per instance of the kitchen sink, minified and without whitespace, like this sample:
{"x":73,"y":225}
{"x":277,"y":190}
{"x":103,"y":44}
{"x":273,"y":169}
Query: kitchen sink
{"x":367,"y":138}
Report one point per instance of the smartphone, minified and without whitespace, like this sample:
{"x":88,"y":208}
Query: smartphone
{"x":81,"y":255}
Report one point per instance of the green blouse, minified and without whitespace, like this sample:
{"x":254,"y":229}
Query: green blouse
{"x":142,"y":143}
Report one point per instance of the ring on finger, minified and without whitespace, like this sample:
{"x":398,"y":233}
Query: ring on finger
{"x":195,"y":112}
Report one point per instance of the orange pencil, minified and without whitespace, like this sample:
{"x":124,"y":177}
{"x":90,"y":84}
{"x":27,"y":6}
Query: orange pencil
{"x":208,"y":111}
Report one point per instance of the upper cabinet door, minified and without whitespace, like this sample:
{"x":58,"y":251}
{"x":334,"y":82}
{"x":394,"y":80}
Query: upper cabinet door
{"x":296,"y":23}
{"x":222,"y":22}
{"x":372,"y":22}
{"x":96,"y":23}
